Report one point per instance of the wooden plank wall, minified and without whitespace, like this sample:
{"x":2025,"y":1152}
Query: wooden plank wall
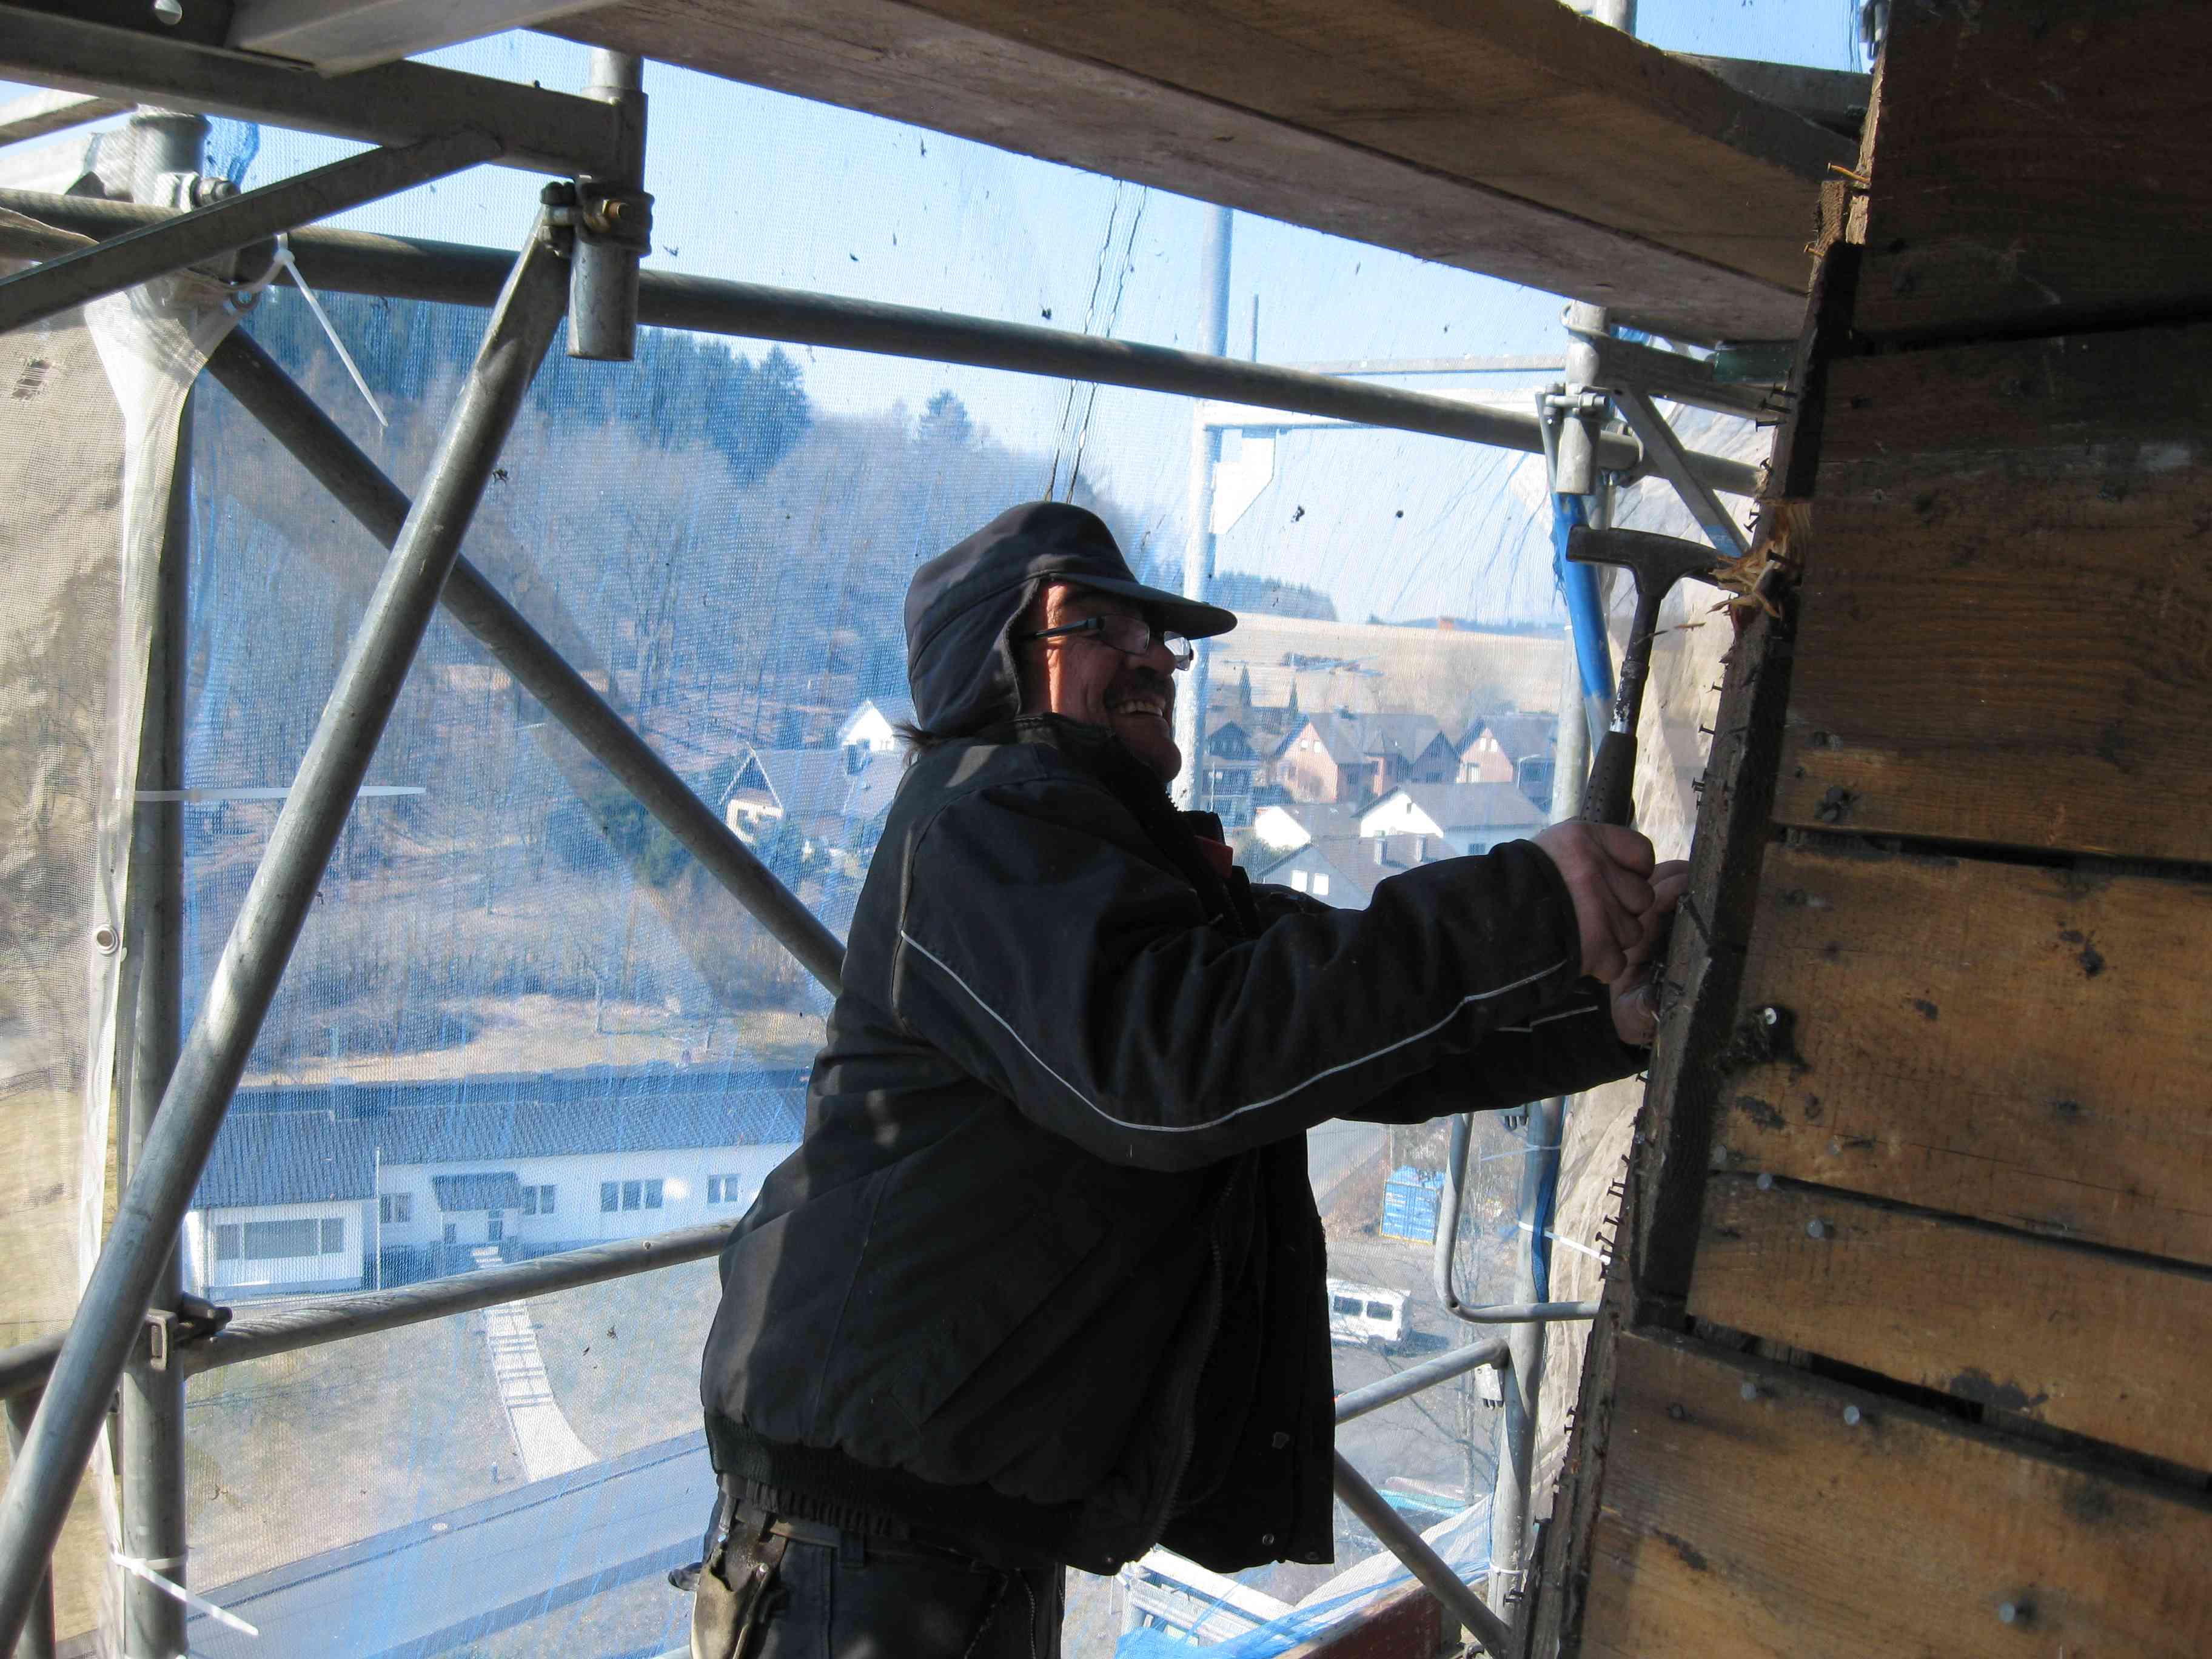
{"x":1909,"y":1355}
{"x":1756,"y":1508}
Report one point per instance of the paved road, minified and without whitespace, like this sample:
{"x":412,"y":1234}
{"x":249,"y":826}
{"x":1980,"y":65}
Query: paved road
{"x":437,"y":1584}
{"x":423,"y":1588}
{"x":429,"y":1588}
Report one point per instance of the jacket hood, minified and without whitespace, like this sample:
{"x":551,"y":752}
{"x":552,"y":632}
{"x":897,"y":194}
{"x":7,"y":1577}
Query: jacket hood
{"x":960,"y":667}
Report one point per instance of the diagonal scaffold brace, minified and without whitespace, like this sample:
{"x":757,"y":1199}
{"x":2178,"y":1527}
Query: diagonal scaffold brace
{"x":112,"y":1312}
{"x":233,"y":222}
{"x":358,"y":484}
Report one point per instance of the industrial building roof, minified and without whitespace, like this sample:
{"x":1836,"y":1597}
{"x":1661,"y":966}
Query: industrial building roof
{"x":323,"y":1143}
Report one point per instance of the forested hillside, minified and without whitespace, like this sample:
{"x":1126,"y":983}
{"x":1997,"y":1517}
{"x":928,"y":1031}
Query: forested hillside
{"x":726,"y":561}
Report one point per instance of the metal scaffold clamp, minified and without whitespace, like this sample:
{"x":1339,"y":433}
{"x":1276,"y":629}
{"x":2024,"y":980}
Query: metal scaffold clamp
{"x":622,"y":217}
{"x":1574,"y":418}
{"x":194,"y":1319}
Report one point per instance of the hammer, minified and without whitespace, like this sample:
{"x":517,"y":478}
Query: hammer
{"x":1657,"y":562}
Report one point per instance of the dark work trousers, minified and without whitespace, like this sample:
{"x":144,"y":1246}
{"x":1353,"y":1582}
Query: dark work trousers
{"x":856,"y":1600}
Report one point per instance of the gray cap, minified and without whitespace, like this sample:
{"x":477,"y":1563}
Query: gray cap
{"x":960,"y":665}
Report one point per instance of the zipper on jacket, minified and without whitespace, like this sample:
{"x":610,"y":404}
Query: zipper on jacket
{"x":1187,"y":1386}
{"x":1186,"y":1402}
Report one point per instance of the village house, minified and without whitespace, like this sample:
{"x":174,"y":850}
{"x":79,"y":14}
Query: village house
{"x":1280,"y":826}
{"x":834,"y":801}
{"x":874,"y":725}
{"x":1442,"y":820}
{"x":1225,"y":786}
{"x":1338,"y":869}
{"x":1344,"y":756}
{"x":1510,"y":748}
{"x":335,"y":1187}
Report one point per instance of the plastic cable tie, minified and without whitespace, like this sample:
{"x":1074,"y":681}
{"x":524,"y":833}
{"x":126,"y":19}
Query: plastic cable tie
{"x":286,"y":262}
{"x":244,"y":294}
{"x":1594,"y":1256}
{"x":144,"y":1568}
{"x":1518,"y":1152}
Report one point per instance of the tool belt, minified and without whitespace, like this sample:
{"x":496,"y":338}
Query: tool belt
{"x":734,"y":1584}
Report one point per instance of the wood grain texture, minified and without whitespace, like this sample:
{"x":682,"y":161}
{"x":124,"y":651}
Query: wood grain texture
{"x":1513,"y":138}
{"x":2016,"y":1043}
{"x":2096,"y":1344}
{"x":2008,"y":630}
{"x":1671,"y":1143}
{"x":1771,"y":1528}
{"x":1407,"y":1623}
{"x":2043,"y":166}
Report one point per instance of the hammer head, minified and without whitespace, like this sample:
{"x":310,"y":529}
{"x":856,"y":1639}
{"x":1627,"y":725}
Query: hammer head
{"x":1659,"y":562}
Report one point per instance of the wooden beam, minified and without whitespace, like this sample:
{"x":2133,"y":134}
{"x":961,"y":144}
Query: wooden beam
{"x":2042,"y":172}
{"x":2102,"y":1344}
{"x":1514,"y":138}
{"x":1406,"y":1624}
{"x":1771,"y":1525}
{"x":340,"y":37}
{"x":1997,"y":1040}
{"x":1836,"y":99}
{"x":2005,"y":627}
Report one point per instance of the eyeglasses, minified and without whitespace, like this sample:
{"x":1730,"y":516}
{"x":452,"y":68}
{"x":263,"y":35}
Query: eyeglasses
{"x":1133,"y":635}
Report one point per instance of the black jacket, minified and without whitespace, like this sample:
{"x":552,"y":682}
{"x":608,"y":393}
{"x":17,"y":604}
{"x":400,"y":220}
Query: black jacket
{"x":1045,"y":1277}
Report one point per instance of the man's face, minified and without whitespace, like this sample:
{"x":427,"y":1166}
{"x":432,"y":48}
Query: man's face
{"x":1081,"y":678}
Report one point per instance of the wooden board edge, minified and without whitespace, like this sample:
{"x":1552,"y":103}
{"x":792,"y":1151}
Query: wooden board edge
{"x":2000,"y":1359}
{"x":1666,"y":1379}
{"x":889,"y":63}
{"x":1407,"y":1623}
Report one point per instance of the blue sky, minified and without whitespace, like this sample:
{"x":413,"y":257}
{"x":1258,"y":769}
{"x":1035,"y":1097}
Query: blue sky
{"x":759,"y":186}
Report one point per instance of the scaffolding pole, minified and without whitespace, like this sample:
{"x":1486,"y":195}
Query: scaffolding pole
{"x":1198,"y":546}
{"x":24,"y":1368}
{"x":143,"y":1238}
{"x":1435,"y":1573}
{"x":405,"y":268}
{"x":614,"y":223}
{"x":150,"y":1407}
{"x":173,"y":242}
{"x":1414,"y":1378}
{"x":1511,"y":1500}
{"x":37,"y":1641}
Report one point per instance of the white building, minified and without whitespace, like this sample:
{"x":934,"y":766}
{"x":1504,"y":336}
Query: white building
{"x":1448,"y":819}
{"x":335,"y":1187}
{"x":874,"y":725}
{"x":832,"y":802}
{"x":1282,"y":825}
{"x":1338,"y":870}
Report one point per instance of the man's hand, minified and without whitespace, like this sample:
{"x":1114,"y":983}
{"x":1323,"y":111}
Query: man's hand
{"x":1634,"y":1006}
{"x":1608,"y":870}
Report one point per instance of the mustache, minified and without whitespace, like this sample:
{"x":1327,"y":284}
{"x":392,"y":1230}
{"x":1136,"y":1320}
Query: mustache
{"x":1148,"y":682}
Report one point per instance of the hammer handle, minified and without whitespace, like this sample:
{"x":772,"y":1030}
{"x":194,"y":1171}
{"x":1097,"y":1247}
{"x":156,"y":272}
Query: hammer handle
{"x":1609,"y":797}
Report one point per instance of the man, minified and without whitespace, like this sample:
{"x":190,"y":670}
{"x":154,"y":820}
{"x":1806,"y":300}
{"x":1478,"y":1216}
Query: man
{"x":1043,"y":1286}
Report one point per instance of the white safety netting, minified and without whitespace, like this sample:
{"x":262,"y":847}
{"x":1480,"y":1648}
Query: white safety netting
{"x":521,"y":1018}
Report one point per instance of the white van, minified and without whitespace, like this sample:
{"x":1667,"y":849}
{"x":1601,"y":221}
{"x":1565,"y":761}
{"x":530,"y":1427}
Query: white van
{"x":1365,"y":1313}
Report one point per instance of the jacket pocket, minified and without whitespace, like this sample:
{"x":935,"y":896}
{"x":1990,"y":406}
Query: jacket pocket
{"x":988,"y":1296}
